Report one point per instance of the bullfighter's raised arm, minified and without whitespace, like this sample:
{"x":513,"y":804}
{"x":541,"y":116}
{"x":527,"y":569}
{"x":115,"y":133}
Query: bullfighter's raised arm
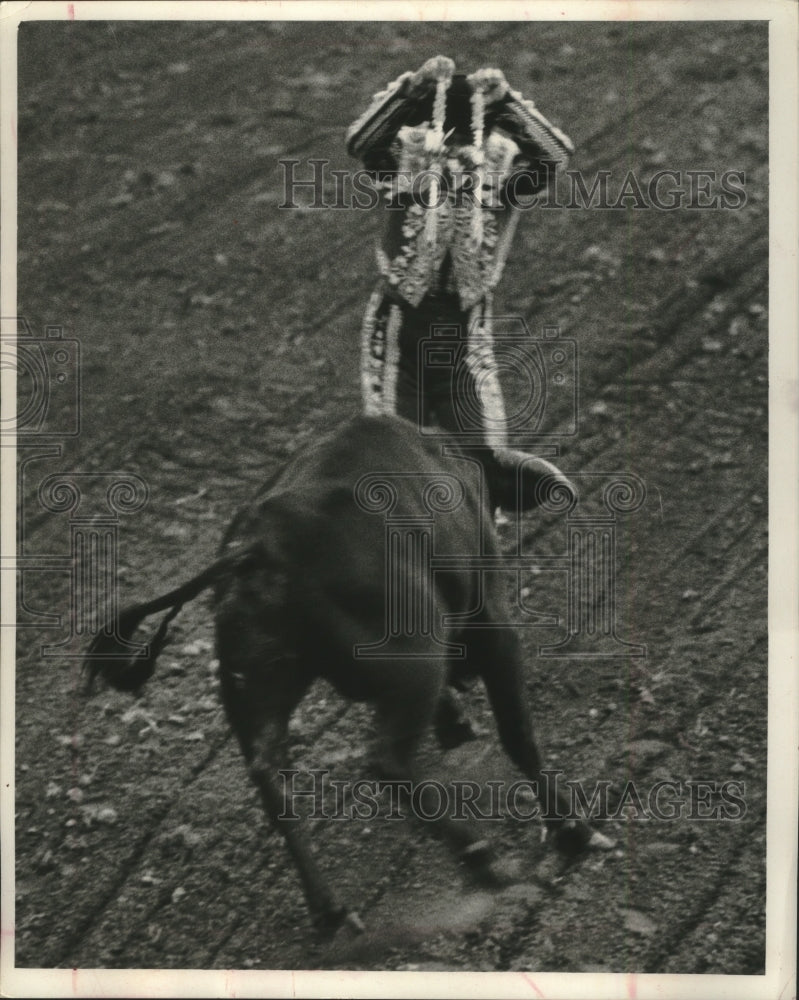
{"x":406,"y":101}
{"x":536,"y":137}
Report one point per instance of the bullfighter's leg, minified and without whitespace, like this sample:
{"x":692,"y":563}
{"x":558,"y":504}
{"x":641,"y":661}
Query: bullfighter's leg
{"x":380,"y":354}
{"x":519,"y":481}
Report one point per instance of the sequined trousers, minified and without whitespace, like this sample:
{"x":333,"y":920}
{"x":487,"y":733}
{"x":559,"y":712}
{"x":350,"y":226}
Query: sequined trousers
{"x":433,"y":364}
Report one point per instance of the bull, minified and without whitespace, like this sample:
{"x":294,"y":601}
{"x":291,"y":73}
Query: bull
{"x":303,"y":590}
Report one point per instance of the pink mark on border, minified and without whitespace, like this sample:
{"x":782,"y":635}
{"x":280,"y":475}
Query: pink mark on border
{"x":530,"y":981}
{"x":632,"y":986}
{"x":71,"y":11}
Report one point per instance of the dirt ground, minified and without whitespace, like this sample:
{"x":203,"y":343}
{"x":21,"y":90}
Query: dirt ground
{"x":218,"y":333}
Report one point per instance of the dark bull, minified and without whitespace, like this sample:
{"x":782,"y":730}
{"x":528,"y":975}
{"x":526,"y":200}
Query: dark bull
{"x":306,"y":588}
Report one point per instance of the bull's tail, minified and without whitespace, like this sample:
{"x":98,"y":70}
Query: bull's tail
{"x":109,"y":652}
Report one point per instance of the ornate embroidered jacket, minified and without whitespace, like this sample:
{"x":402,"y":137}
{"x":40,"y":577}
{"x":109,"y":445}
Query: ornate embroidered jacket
{"x":450,"y":223}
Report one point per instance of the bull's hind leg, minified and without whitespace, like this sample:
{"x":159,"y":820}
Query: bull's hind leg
{"x":411,"y":703}
{"x":269,"y":757}
{"x":501,"y":670}
{"x":407,"y":705}
{"x":451,"y":725}
{"x":261,"y":687}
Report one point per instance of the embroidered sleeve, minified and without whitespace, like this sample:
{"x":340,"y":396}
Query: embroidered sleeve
{"x":538,"y":139}
{"x":377,"y":127}
{"x":406,"y":101}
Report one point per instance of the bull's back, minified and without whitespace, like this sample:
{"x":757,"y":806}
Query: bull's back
{"x":324,"y":523}
{"x":376,"y":471}
{"x":364,"y":445}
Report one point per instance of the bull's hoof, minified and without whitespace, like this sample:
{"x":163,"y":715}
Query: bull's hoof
{"x":484,"y":868}
{"x":331,"y":921}
{"x":454,"y":735}
{"x":599,"y":842}
{"x":572,"y":838}
{"x":354,"y":922}
{"x":477,"y":854}
{"x":500,"y":873}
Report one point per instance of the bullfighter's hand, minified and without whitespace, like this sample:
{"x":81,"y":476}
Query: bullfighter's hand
{"x":491,"y":83}
{"x":423,"y":81}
